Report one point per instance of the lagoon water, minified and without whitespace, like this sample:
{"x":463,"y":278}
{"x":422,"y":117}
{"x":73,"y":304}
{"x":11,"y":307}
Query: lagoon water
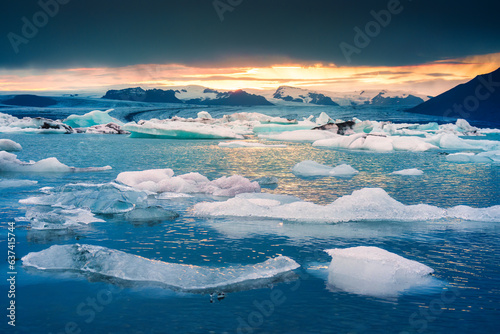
{"x":463,"y":254}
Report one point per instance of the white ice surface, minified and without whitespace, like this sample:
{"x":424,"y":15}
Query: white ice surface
{"x":310,"y":168}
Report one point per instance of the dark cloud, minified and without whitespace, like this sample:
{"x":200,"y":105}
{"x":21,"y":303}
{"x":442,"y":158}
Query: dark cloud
{"x":256,"y":32}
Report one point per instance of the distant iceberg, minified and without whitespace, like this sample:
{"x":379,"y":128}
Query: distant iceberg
{"x":92,"y":118}
{"x":12,"y":124}
{"x":310,"y":168}
{"x":373,"y":271}
{"x":490,"y":156}
{"x":237,"y":144}
{"x":163,"y":180}
{"x":10,"y":163}
{"x":112,"y":263}
{"x":13,"y":183}
{"x":300,"y":136}
{"x":368,"y":204}
{"x":410,"y":171}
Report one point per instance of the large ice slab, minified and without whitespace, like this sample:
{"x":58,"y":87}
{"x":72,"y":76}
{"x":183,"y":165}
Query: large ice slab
{"x":13,"y":183}
{"x":490,"y":156}
{"x":171,"y":129}
{"x":368,"y":204}
{"x":13,"y":124}
{"x":163,"y":180}
{"x":117,"y":264}
{"x":310,"y":168}
{"x":92,"y":118}
{"x":376,"y":272}
{"x":9,"y":145}
{"x":47,"y":218}
{"x":10,"y":163}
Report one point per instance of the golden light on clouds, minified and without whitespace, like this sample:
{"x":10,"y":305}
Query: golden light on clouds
{"x":432,"y":78}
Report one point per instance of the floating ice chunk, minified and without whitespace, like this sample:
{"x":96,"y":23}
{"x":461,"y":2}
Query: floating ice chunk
{"x":236,"y":144}
{"x":368,"y":204}
{"x":169,"y":195}
{"x":267,"y":180}
{"x":163,"y":180}
{"x":410,"y":171}
{"x":278,"y":128}
{"x":310,"y":168}
{"x":117,"y":264}
{"x":46,"y":218}
{"x":453,"y":142}
{"x":13,"y":124}
{"x":491,"y":156}
{"x":92,"y":118}
{"x":171,"y":129}
{"x":376,"y":142}
{"x":110,"y":128}
{"x":9,"y":145}
{"x":204,"y":115}
{"x":323,"y":118}
{"x":151,"y":213}
{"x":376,"y":272}
{"x":300,"y":135}
{"x":10,"y":163}
{"x":16,"y":183}
{"x":108,"y":198}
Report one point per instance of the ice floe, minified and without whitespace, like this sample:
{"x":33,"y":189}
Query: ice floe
{"x":237,"y":144}
{"x":92,"y":118}
{"x":12,"y":183}
{"x":367,"y":204}
{"x":410,"y":171}
{"x":9,"y":145}
{"x":310,"y":168}
{"x":13,"y":124}
{"x":300,"y":135}
{"x":107,"y":129}
{"x":490,"y":156}
{"x":90,"y":259}
{"x":10,"y":163}
{"x":376,"y":272}
{"x":163,"y":180}
{"x":47,"y":218}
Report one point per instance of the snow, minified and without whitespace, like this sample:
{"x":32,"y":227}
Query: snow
{"x":16,"y":183}
{"x":9,"y":145}
{"x":367,"y":204}
{"x":300,"y":135}
{"x":163,"y":180}
{"x":376,"y":142}
{"x":373,"y":271}
{"x":237,"y":144}
{"x":411,"y":171}
{"x":310,"y":168}
{"x":92,"y":118}
{"x":180,"y":130}
{"x":125,"y":266}
{"x":10,"y":163}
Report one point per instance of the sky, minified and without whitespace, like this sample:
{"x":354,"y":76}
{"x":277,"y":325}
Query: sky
{"x":340,"y":45}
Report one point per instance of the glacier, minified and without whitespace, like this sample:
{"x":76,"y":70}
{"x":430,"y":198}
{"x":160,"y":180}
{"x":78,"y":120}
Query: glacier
{"x":309,"y":168}
{"x":373,"y":271}
{"x":163,"y":180}
{"x":367,"y":204}
{"x":113,"y":263}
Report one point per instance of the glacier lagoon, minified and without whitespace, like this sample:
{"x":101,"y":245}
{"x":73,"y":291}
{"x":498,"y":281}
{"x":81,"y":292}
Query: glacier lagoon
{"x":460,"y":250}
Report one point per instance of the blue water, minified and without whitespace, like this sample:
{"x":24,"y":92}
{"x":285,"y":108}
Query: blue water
{"x":463,"y":254}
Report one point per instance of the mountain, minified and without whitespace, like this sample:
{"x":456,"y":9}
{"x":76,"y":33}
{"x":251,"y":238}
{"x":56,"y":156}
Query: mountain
{"x":30,"y":101}
{"x":365,"y":97}
{"x":139,"y":94}
{"x":476,"y":100}
{"x":292,"y":94}
{"x":190,"y":95}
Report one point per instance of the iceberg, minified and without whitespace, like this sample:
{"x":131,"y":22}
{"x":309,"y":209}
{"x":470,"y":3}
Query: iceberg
{"x":367,"y":204}
{"x":107,"y":129}
{"x":150,"y":213}
{"x":376,"y":142}
{"x":490,"y":156}
{"x":173,"y":129}
{"x":236,"y":144}
{"x":9,"y":145}
{"x":107,"y":198}
{"x":373,"y":271}
{"x":11,"y":124}
{"x":90,"y":259}
{"x":10,"y":163}
{"x":267,"y":181}
{"x":92,"y":118}
{"x":163,"y":180}
{"x":204,"y":115}
{"x":46,"y":218}
{"x":451,"y":141}
{"x":411,"y":171}
{"x":300,"y":136}
{"x":310,"y":168}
